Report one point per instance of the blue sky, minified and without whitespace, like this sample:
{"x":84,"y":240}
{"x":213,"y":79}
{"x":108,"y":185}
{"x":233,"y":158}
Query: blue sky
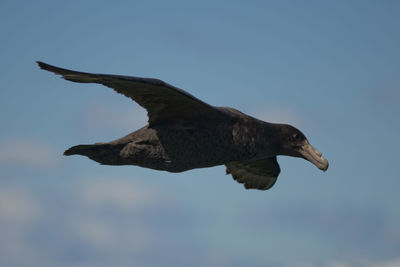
{"x":330,"y":68}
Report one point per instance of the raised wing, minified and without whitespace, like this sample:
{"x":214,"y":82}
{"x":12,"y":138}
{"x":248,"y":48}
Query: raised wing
{"x":255,"y":174}
{"x":163,"y":102}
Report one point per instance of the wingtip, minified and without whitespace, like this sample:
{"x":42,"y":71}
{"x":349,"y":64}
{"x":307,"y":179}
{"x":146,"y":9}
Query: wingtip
{"x":40,"y":63}
{"x":43,"y":66}
{"x":67,"y":152}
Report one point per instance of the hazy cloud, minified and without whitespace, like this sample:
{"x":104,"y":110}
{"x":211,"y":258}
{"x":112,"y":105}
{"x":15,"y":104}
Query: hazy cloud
{"x":359,"y":263}
{"x":276,"y":115}
{"x":354,"y":230}
{"x":17,"y":206}
{"x":115,"y":211}
{"x":20,"y":211}
{"x":104,"y":221}
{"x":99,"y":219}
{"x":104,"y":116}
{"x":23,"y":152}
{"x":386,"y":94}
{"x":387,"y":263}
{"x":118,"y":194}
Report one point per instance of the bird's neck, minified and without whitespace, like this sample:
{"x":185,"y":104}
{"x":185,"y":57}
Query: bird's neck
{"x":262,"y":138}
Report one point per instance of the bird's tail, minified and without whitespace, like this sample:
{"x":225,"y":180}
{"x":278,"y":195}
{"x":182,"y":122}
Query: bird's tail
{"x":83,"y":150}
{"x":103,"y":153}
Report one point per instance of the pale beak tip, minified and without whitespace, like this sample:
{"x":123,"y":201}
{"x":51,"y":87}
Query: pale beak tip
{"x":325,"y":165}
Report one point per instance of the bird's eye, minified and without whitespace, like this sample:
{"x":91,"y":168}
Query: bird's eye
{"x":296,"y":136}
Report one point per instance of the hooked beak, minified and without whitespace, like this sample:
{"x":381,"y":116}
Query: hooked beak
{"x":314,"y":156}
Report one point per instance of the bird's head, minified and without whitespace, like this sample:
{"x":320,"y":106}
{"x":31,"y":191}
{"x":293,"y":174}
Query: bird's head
{"x":294,"y":143}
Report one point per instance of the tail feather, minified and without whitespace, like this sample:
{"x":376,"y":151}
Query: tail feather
{"x":83,"y":150}
{"x":102,"y":153}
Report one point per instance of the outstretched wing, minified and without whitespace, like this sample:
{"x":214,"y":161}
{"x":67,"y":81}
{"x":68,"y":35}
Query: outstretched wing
{"x":255,"y":174}
{"x":162,"y":101}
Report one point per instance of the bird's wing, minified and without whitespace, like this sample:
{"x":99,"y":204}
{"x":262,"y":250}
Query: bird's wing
{"x":162,"y":101}
{"x":255,"y":174}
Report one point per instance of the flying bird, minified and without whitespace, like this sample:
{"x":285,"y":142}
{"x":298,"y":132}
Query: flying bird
{"x":185,"y":133}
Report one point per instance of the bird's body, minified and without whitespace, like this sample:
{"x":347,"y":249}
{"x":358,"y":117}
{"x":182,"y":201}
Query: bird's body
{"x":185,"y":133}
{"x":177,"y":147}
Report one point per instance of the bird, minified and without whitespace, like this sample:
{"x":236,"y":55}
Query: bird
{"x":185,"y":133}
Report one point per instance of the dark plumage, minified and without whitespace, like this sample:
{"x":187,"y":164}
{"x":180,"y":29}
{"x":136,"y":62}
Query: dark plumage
{"x":185,"y":133}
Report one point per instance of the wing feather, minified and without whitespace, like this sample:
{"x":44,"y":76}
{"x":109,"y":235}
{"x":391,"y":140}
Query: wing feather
{"x":162,"y":101}
{"x":255,"y":174}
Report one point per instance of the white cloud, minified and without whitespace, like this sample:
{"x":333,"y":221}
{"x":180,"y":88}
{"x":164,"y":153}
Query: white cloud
{"x":23,"y":152}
